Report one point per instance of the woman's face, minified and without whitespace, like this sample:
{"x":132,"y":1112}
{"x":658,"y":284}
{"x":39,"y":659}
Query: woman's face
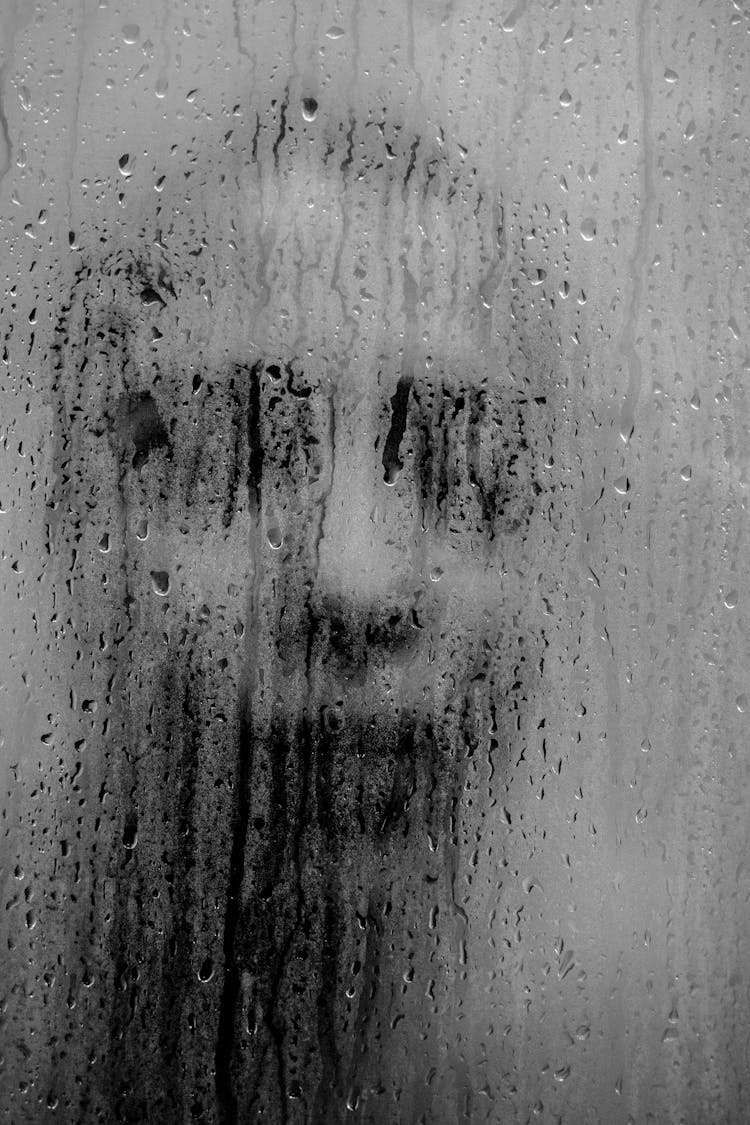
{"x":301,"y":431}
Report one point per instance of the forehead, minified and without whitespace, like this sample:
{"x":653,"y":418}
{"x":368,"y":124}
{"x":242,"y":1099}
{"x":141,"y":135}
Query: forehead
{"x":335,"y":237}
{"x":399,"y":202}
{"x":273,"y":156}
{"x":157,"y":312}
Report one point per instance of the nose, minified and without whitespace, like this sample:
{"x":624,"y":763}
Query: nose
{"x":374,"y":607}
{"x":371,"y":604}
{"x":368,"y":547}
{"x":357,"y":634}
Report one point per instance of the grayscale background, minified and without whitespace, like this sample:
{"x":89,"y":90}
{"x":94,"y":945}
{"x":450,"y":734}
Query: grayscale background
{"x":374,"y":694}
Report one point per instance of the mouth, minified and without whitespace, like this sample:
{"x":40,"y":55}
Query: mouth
{"x":355,"y":639}
{"x":343,"y":776}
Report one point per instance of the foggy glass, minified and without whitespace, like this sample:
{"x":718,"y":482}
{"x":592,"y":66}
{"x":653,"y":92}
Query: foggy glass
{"x":373,"y":503}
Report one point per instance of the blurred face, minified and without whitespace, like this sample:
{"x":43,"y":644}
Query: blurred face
{"x":302,"y":463}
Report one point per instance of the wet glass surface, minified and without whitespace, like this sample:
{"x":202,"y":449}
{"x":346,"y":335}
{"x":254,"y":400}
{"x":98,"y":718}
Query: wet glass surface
{"x":373,"y":515}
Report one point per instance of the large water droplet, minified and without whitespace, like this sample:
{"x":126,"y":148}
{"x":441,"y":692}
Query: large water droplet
{"x":588,"y":230}
{"x":206,"y":971}
{"x":275,"y":537}
{"x":309,"y":109}
{"x":160,"y":582}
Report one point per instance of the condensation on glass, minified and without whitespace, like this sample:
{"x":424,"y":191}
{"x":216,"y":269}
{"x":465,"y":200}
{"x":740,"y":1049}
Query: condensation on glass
{"x":373,"y":504}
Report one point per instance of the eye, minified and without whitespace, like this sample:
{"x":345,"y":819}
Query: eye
{"x":139,"y":428}
{"x":472,"y":463}
{"x":295,"y":434}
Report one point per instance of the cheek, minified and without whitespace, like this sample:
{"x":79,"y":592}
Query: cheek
{"x":297,"y":458}
{"x":345,"y":779}
{"x":472,"y":466}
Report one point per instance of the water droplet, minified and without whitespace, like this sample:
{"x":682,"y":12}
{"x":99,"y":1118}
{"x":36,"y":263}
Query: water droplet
{"x":622,"y":485}
{"x":670,"y":75}
{"x":206,"y":971}
{"x":730,"y":599}
{"x":509,"y":23}
{"x":160,"y":582}
{"x":131,"y":33}
{"x":149,"y":296}
{"x":275,"y":538}
{"x":566,"y":98}
{"x":334,"y":32}
{"x":641,"y":815}
{"x":588,"y":230}
{"x":309,"y":109}
{"x":741,"y":703}
{"x":436,"y":574}
{"x":686,"y":472}
{"x":646,"y":746}
{"x":104,"y":544}
{"x":126,"y":164}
